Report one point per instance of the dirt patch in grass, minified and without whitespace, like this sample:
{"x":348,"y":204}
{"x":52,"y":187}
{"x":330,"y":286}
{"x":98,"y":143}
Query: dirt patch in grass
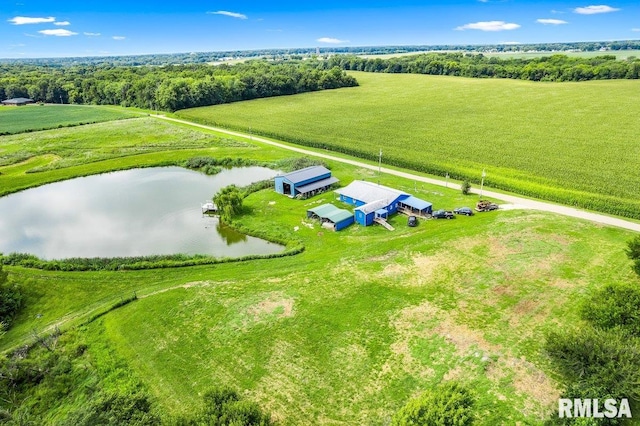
{"x":434,"y":268}
{"x":530,"y":381}
{"x":464,"y":338}
{"x":394,"y":269}
{"x":384,"y":257}
{"x":274,"y":304}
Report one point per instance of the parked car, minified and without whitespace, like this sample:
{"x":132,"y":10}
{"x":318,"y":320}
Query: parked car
{"x":443,"y":214}
{"x":463,"y":210}
{"x":412,"y":221}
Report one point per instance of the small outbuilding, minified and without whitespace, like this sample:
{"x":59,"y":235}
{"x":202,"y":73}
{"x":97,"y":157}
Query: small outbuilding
{"x":331,"y":217}
{"x":17,"y":101}
{"x":305,"y":182}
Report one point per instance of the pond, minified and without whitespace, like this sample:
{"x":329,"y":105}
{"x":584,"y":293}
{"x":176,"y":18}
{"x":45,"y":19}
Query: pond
{"x":136,"y":212}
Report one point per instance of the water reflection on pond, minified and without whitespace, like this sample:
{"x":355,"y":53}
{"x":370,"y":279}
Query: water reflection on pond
{"x":129,"y":213}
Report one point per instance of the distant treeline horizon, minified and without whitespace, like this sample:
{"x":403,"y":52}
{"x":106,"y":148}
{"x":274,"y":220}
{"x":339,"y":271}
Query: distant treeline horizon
{"x":298,"y":53}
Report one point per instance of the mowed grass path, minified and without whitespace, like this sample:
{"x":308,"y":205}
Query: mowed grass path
{"x":39,"y":117}
{"x":577,"y":143}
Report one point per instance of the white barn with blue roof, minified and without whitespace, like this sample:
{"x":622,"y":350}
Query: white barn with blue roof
{"x":305,"y":182}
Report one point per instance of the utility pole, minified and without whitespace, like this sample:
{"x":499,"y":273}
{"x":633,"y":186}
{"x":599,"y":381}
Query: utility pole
{"x":482,"y":182}
{"x":446,"y":181}
{"x":379,"y":165}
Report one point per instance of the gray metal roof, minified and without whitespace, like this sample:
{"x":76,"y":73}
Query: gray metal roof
{"x":373,"y":206}
{"x":368,"y":192}
{"x":306,"y":174}
{"x":17,"y":101}
{"x":317,"y":184}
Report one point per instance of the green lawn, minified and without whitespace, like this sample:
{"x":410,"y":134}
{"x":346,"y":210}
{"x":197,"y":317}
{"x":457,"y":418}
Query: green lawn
{"x":575,"y":143}
{"x":39,"y":117}
{"x":344,"y":333}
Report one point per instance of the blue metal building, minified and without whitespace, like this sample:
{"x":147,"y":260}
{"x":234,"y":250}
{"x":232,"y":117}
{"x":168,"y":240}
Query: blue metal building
{"x":305,"y":182}
{"x":378,"y":201}
{"x":371,"y":200}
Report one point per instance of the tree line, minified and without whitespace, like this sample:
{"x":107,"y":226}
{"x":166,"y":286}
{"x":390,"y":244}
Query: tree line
{"x":300,"y":52}
{"x":555,"y":67}
{"x":167,"y":88}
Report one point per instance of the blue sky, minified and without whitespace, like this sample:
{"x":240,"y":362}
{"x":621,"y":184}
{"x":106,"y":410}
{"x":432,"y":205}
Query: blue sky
{"x":115,"y":27}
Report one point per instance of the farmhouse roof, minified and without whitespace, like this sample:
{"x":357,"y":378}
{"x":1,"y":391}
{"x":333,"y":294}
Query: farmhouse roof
{"x":373,"y":206}
{"x":368,"y":192}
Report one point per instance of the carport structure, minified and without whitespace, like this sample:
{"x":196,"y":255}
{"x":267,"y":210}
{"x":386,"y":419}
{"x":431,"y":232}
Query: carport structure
{"x":331,"y":216}
{"x":415,"y":206}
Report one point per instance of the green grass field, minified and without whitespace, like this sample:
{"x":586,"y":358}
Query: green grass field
{"x":344,"y":333}
{"x":39,"y":117}
{"x":575,"y":143}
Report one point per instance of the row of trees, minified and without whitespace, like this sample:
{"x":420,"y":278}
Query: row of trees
{"x":166,"y":88}
{"x":549,"y":68}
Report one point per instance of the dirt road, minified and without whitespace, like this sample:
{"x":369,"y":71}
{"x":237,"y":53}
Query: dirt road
{"x":512,"y":199}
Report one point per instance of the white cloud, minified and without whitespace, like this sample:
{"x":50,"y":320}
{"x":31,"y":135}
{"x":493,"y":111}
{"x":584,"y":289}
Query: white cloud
{"x":331,"y":40}
{"x":58,"y":33}
{"x":118,"y":37}
{"x":489,"y":26}
{"x":592,"y":10}
{"x":92,"y":34}
{"x":62,"y":23}
{"x":23,"y":20}
{"x":635,"y":30}
{"x":511,"y":42}
{"x":227,"y":13}
{"x":551,"y":21}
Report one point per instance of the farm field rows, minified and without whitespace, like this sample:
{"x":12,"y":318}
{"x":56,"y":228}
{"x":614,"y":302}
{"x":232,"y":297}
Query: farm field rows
{"x":574,"y":143}
{"x":345,"y":332}
{"x":40,"y":117}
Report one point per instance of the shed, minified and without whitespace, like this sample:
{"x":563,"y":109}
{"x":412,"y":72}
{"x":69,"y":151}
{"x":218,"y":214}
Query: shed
{"x":415,"y":205}
{"x":17,"y":101}
{"x":305,"y":182}
{"x":331,"y":216}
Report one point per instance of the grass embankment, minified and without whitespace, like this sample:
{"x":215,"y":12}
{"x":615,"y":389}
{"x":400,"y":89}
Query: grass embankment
{"x":546,"y":140}
{"x":41,"y":117}
{"x":344,"y":332}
